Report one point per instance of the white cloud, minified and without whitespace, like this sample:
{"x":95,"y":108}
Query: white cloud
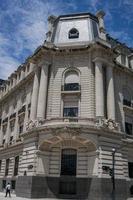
{"x":29,"y":19}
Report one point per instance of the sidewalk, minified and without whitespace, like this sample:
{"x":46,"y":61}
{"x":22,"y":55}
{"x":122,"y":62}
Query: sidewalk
{"x":13,"y":197}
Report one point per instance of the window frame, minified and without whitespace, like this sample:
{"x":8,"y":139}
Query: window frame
{"x":73,"y":33}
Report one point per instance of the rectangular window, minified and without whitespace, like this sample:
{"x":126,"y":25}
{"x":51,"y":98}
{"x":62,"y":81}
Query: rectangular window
{"x":70,"y":112}
{"x":0,"y":165}
{"x":3,"y":142}
{"x":11,"y":139}
{"x":4,"y":184}
{"x":16,"y":165}
{"x":4,"y":129}
{"x":13,"y":184}
{"x":12,"y":123}
{"x":71,"y":87}
{"x":128,"y":128}
{"x":7,"y":167}
{"x":126,"y":102}
{"x":130,"y":169}
{"x":20,"y":128}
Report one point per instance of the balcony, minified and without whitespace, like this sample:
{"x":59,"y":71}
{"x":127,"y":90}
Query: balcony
{"x":70,"y":88}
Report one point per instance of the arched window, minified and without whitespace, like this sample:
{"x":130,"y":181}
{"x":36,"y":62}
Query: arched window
{"x":68,"y":162}
{"x":127,"y":98}
{"x":71,"y":81}
{"x":73,"y":33}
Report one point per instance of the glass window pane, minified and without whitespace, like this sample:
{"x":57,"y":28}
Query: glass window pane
{"x":70,"y":112}
{"x":128,"y":128}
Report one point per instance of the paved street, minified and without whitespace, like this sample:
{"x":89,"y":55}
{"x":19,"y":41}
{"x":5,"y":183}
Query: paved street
{"x":13,"y":196}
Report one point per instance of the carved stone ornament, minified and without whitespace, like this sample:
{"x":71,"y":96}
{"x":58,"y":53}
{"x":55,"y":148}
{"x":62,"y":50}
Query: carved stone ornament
{"x":108,"y":123}
{"x":32,"y":124}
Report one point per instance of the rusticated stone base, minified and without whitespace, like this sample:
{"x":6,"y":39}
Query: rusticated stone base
{"x":82,"y":188}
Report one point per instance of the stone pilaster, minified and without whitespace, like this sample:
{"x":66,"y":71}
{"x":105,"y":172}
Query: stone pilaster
{"x":22,"y":73}
{"x":34,"y":98}
{"x":16,"y":131}
{"x":8,"y":132}
{"x":41,"y":109}
{"x":16,"y":127}
{"x":110,"y":93}
{"x":26,"y":115}
{"x":99,"y":90}
{"x":1,"y":135}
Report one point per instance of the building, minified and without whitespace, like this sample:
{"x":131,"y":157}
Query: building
{"x":65,"y":110}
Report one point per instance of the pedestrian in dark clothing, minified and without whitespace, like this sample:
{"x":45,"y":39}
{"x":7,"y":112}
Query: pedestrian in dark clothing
{"x":8,"y":190}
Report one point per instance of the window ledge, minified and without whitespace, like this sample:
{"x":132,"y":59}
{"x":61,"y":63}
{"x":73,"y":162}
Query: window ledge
{"x":127,"y":108}
{"x":71,"y":92}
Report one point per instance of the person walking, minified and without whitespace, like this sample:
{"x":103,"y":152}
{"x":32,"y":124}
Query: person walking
{"x":8,"y":190}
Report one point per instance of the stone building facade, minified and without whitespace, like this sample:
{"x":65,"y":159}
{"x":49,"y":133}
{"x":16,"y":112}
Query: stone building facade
{"x":66,"y":112}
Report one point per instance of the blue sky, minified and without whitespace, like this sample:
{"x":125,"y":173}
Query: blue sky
{"x":23,"y":24}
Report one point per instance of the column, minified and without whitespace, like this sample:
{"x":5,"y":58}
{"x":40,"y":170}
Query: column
{"x":14,"y":80}
{"x":41,"y":109}
{"x":110,"y":93}
{"x":99,"y":89}
{"x":8,"y":132}
{"x":32,"y":65}
{"x":26,"y":115}
{"x":34,"y":98}
{"x":1,"y":134}
{"x":16,"y":131}
{"x":22,"y":73}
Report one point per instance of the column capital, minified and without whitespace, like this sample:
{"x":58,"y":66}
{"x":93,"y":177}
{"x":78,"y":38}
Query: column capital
{"x":44,"y":63}
{"x":103,"y":61}
{"x":98,"y":60}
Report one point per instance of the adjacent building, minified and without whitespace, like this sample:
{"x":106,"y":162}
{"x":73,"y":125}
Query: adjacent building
{"x":66,"y":115}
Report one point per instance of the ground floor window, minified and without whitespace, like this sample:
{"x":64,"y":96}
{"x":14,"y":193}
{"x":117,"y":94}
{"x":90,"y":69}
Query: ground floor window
{"x":128,"y":128}
{"x":68,"y":162}
{"x":130,"y":169}
{"x":13,"y":183}
{"x":4,"y":184}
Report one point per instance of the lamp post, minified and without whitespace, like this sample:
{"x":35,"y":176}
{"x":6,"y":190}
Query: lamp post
{"x":113,"y":172}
